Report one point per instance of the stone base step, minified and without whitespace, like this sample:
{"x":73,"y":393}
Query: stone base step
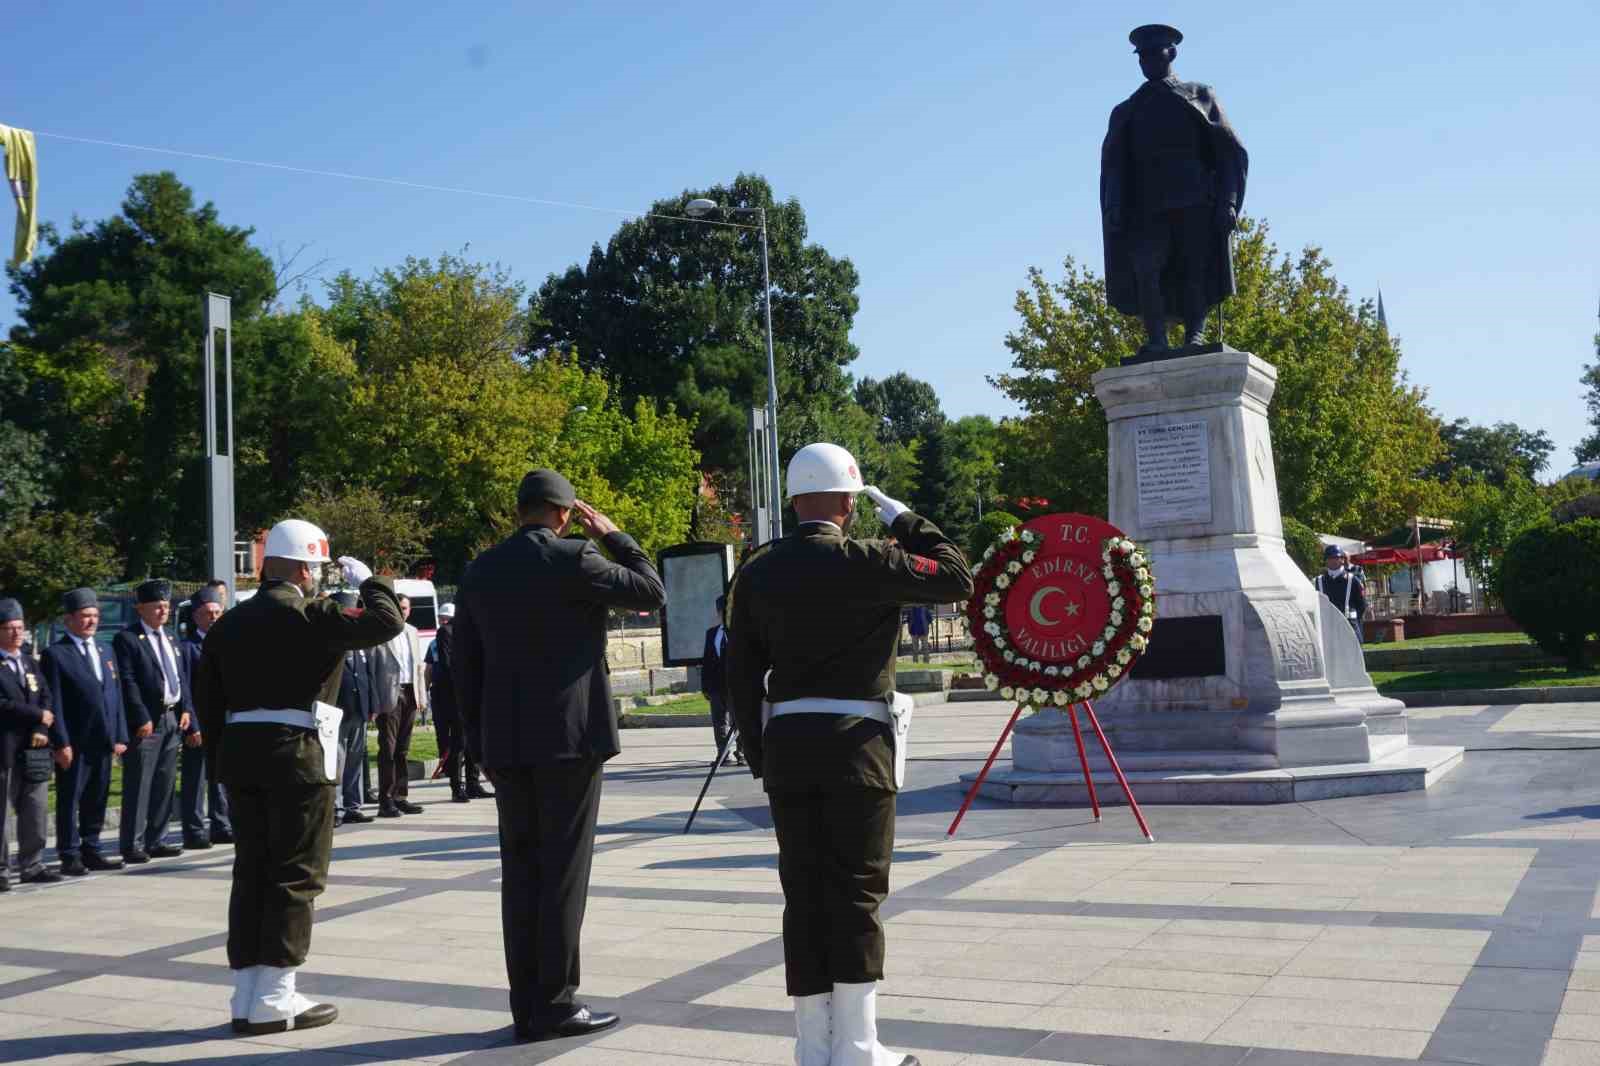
{"x":1411,"y":769}
{"x":1209,"y":761}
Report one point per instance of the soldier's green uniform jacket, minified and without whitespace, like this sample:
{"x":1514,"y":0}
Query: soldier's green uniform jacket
{"x":822,"y":612}
{"x":279,"y":650}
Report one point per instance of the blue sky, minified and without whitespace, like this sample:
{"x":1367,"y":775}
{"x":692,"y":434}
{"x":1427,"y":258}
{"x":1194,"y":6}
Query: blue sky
{"x":943,"y":147}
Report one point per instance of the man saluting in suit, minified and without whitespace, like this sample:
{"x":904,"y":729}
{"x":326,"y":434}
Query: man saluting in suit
{"x":534,"y":697}
{"x":156,"y":698}
{"x":83,"y":675}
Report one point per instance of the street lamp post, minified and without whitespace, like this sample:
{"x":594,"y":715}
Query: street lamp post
{"x":698,"y":208}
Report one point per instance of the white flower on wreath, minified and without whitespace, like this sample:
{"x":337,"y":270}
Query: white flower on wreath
{"x":1143,"y":574}
{"x":1040,"y":696}
{"x":1008,"y":693}
{"x":1124,"y":656}
{"x":1099,"y":648}
{"x":991,"y":682}
{"x":1120,"y":602}
{"x":1138,"y":559}
{"x":1027,"y":557}
{"x":1116,"y":618}
{"x":1108,"y":572}
{"x":1061,"y":698}
{"x":988,"y":612}
{"x":1100,"y":683}
{"x":1030,"y":537}
{"x":1146,"y":591}
{"x":1138,"y":643}
{"x":1110,"y":632}
{"x":1083,"y":691}
{"x":1145,"y":624}
{"x":1113,"y":588}
{"x":1002,"y":581}
{"x":992,"y":628}
{"x":1113,"y":671}
{"x":988,"y":553}
{"x":1052,"y":671}
{"x":1105,"y":556}
{"x":1147,"y":608}
{"x":992,"y":599}
{"x":1084,"y":661}
{"x":1008,"y":534}
{"x":999,"y":642}
{"x":1009,"y":656}
{"x":1013,"y":567}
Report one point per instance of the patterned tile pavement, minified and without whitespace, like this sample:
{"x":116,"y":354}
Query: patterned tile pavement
{"x":1457,"y":926}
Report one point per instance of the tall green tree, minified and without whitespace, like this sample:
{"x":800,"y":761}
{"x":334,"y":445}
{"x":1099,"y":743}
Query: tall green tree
{"x":1588,"y":449}
{"x":672,"y":309}
{"x":114,"y":308}
{"x":1488,"y":517}
{"x":1493,"y":453}
{"x":906,"y":408}
{"x":1350,"y":434}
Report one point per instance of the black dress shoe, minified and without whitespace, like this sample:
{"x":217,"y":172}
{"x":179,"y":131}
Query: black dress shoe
{"x":580,"y":1022}
{"x":356,"y":817}
{"x":165,"y":851}
{"x":910,"y":1060}
{"x":478,"y":792}
{"x":135,"y":857}
{"x":312,"y":1017}
{"x":73,"y":866}
{"x":241,"y":1025}
{"x":408,"y":807}
{"x":458,"y":796}
{"x":221,"y":836}
{"x":93,"y":860}
{"x":5,"y":883}
{"x":41,"y":876}
{"x":388,"y":812}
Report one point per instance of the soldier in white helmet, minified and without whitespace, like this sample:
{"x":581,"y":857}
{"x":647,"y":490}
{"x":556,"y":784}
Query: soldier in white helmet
{"x":821,"y":612}
{"x":264,"y":688}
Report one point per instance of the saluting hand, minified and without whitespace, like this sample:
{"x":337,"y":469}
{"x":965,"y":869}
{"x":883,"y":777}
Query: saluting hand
{"x":596,"y":523}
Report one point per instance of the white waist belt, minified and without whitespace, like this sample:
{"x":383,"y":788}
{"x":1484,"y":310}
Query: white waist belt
{"x":301,"y":719}
{"x":875,"y":709}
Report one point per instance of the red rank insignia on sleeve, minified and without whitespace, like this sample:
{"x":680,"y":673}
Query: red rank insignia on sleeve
{"x":923,"y":565}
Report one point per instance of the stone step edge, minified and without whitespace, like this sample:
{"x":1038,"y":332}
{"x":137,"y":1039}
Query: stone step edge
{"x":1462,"y":697}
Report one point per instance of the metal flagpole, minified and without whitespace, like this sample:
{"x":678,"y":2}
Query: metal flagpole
{"x":727,"y":746}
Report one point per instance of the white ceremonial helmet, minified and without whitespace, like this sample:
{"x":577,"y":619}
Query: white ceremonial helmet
{"x":296,"y":539}
{"x":447,"y":610}
{"x":823,"y":468}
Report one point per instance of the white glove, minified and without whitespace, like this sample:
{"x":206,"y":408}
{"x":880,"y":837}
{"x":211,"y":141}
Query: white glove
{"x":888,"y":509}
{"x":355,"y":571}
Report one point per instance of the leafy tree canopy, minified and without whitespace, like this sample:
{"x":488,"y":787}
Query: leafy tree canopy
{"x":1492,"y":452}
{"x":1588,"y":449}
{"x":1551,"y":586}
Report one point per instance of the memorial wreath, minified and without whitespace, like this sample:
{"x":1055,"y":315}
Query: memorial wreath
{"x":1109,"y":611}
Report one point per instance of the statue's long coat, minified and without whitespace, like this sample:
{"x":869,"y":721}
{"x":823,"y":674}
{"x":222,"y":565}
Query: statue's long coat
{"x":1230,"y":163}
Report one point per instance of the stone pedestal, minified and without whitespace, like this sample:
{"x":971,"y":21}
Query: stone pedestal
{"x":1266,"y":677}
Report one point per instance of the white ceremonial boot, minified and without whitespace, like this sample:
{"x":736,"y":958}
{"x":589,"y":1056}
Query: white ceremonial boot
{"x":855,"y":1029}
{"x":813,"y":1022}
{"x":244,"y":991}
{"x":277,"y":1007}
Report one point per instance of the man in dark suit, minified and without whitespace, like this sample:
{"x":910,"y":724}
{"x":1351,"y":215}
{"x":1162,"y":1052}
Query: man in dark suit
{"x":459,"y":763}
{"x":83,"y":675}
{"x":32,"y":738}
{"x":199,"y":791}
{"x":156,"y":698}
{"x":358,"y":701}
{"x":534,"y":695}
{"x":714,"y":685}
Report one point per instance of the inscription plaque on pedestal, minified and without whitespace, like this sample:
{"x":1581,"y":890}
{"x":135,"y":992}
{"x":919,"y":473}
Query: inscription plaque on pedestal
{"x":1174,"y":474}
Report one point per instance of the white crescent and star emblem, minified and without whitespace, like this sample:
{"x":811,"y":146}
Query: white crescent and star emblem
{"x":1035,"y":605}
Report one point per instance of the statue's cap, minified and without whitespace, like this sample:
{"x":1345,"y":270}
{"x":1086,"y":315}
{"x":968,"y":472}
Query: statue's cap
{"x":1154,"y":36}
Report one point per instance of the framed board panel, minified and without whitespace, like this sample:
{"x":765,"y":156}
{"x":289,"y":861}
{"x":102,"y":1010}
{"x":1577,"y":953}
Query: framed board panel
{"x":695,"y":575}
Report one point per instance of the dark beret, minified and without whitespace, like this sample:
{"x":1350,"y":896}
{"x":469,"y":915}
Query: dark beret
{"x":78,"y":599}
{"x":1154,"y":36}
{"x":207,"y":595}
{"x":10,"y":611}
{"x":155,"y":591}
{"x":545,"y":486}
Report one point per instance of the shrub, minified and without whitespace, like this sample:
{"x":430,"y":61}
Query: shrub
{"x":988,"y":528}
{"x":1550,"y":584}
{"x":1303,"y":546}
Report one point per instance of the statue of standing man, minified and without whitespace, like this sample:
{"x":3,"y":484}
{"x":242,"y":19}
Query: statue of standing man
{"x":1172,"y":177}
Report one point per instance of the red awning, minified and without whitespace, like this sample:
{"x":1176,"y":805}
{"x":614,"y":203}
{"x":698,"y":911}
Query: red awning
{"x":1431,"y":553}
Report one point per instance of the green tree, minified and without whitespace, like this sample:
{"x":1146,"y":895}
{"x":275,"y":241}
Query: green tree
{"x":1492,"y":452}
{"x":1588,"y":449}
{"x":119,"y":301}
{"x":386,"y":534}
{"x":672,"y":309}
{"x":44,"y":555}
{"x":1350,"y":434}
{"x":986,"y":530}
{"x":1303,"y":545}
{"x":1551,"y":585}
{"x":1488,"y":517}
{"x":905,"y":407}
{"x":960,"y":468}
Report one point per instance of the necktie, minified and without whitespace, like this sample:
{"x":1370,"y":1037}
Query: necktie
{"x":94,"y":660}
{"x":167,"y":665}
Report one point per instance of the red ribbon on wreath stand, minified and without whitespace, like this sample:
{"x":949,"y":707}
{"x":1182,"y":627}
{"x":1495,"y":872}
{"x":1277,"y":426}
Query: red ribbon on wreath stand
{"x":1062,"y":607}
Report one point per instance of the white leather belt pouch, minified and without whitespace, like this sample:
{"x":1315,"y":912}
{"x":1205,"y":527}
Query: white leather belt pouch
{"x":901,"y":706}
{"x":895,"y":712}
{"x":328,"y":717}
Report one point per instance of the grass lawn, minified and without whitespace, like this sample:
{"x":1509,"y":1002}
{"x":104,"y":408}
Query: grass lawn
{"x":1454,"y":640}
{"x":1389,"y":681}
{"x":691,"y":704}
{"x":960,"y":667}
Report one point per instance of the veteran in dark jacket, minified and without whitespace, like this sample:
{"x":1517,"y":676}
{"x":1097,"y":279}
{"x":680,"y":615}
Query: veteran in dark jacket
{"x":267,"y":675}
{"x":813,"y":628}
{"x":534,"y":694}
{"x":203,"y":803}
{"x":358,"y":699}
{"x":157,"y":702}
{"x":83,"y":675}
{"x":33,"y":742}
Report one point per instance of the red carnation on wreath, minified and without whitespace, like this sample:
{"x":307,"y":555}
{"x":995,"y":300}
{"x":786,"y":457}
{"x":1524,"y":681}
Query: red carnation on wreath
{"x":1130,"y":587}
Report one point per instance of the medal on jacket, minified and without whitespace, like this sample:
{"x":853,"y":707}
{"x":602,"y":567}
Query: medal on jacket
{"x":33,"y":682}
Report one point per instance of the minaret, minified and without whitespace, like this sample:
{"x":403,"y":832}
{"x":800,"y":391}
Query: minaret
{"x":1383,"y":319}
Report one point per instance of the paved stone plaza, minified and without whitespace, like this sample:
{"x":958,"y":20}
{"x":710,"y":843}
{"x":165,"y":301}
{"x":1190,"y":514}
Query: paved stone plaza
{"x":1456,"y":925}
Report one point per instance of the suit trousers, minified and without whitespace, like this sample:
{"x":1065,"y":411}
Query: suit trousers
{"x":149,"y":772}
{"x":456,"y":755}
{"x":352,"y":756}
{"x":722,"y":721}
{"x":82,"y":791}
{"x":283,"y":839}
{"x":30,"y":803}
{"x":547,"y":823}
{"x":193,"y":791}
{"x":834,"y":849}
{"x":394,"y":745}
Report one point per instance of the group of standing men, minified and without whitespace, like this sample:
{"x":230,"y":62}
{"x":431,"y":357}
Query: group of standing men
{"x":79,"y":707}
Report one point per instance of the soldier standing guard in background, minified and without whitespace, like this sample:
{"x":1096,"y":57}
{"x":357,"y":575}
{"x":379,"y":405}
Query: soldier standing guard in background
{"x":1343,"y":587}
{"x":822,"y":613}
{"x":267,"y":673}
